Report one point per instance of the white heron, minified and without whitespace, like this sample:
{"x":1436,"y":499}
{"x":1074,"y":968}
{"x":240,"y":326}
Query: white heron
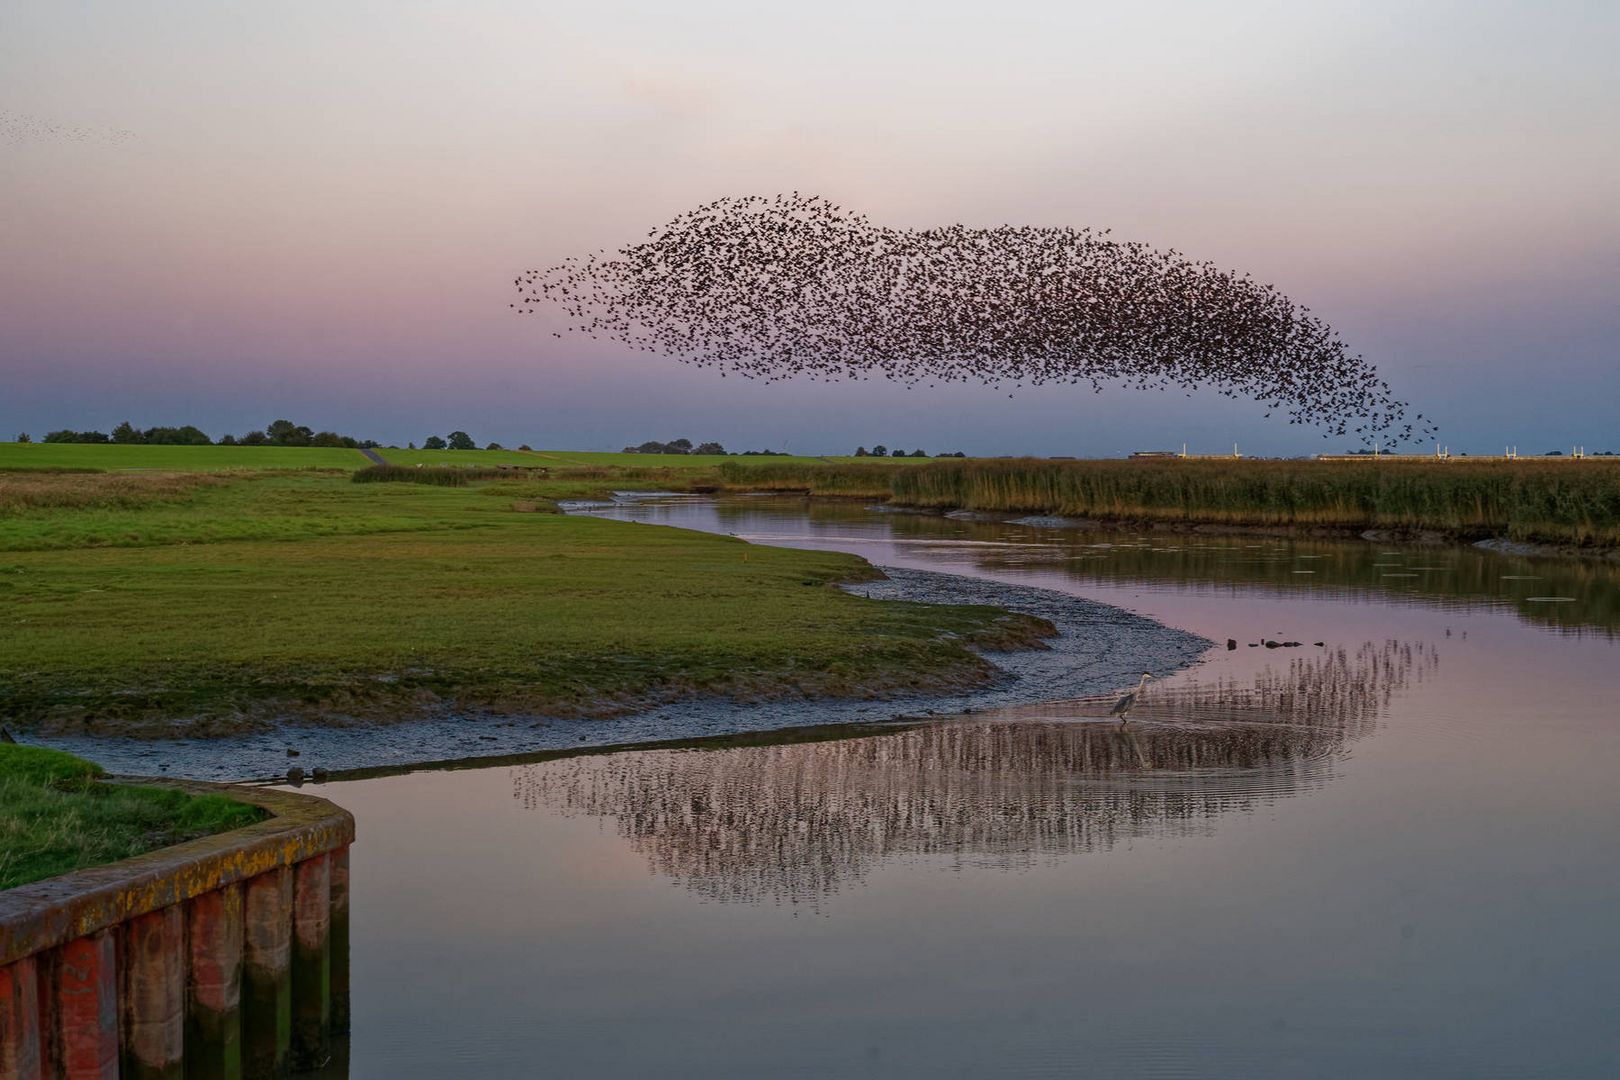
{"x":1122,"y":708}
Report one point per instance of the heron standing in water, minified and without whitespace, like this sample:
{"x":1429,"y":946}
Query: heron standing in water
{"x":1122,"y":708}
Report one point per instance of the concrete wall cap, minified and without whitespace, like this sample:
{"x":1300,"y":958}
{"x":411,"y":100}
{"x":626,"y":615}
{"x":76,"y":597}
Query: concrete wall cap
{"x":45,"y":914}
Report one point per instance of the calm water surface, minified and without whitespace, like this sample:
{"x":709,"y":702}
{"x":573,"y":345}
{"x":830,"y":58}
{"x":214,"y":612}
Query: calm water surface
{"x":1393,"y":854}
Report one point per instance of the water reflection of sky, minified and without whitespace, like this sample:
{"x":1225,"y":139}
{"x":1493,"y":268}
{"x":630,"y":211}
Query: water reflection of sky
{"x":1392,"y":854}
{"x":1567,"y":595}
{"x":796,"y":821}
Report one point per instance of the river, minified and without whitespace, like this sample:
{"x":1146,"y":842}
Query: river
{"x":1388,"y":850}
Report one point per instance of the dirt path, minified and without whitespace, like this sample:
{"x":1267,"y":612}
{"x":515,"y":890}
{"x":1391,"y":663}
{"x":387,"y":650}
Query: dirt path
{"x":375,"y":457}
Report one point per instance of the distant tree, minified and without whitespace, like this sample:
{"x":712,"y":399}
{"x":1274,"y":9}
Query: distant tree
{"x":433,"y":442}
{"x":126,"y":433}
{"x":227,"y":440}
{"x":648,"y":448}
{"x":328,"y":439}
{"x":24,"y":437}
{"x":527,"y":447}
{"x":371,"y":444}
{"x":410,"y":446}
{"x":918,"y":453}
{"x":880,"y":450}
{"x":494,"y":446}
{"x":287,"y":433}
{"x":709,"y":448}
{"x":1550,"y":453}
{"x":460,"y":440}
{"x":897,"y":452}
{"x":959,"y":454}
{"x":186,"y":435}
{"x":860,"y":451}
{"x":678,"y":446}
{"x":254,"y":438}
{"x":68,"y":436}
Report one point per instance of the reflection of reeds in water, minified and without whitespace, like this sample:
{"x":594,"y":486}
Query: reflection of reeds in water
{"x":794,"y":823}
{"x":1336,"y":691}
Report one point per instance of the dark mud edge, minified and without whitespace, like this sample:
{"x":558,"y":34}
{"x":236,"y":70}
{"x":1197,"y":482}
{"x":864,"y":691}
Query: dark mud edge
{"x":1098,"y":648}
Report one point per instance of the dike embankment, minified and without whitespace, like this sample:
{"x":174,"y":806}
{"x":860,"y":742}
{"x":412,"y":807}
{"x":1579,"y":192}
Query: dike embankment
{"x":226,"y":956}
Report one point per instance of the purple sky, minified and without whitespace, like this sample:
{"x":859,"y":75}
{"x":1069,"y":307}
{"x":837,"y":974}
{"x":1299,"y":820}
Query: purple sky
{"x":224,"y":213}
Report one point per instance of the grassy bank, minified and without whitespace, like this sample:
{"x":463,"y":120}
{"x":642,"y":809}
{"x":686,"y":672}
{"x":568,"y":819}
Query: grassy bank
{"x":255,"y":597}
{"x":57,"y":815}
{"x":117,"y":457}
{"x":114,"y":456}
{"x":1550,"y":502}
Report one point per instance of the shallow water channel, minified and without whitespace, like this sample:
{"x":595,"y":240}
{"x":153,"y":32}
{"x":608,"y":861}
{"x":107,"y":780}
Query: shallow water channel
{"x":1396,"y":853}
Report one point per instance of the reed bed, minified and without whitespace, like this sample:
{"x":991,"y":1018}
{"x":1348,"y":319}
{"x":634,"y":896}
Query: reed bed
{"x":434,"y":475}
{"x":1555,"y":502}
{"x":863,"y":481}
{"x":42,"y":490}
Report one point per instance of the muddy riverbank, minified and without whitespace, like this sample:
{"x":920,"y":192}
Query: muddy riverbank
{"x":1097,"y":648}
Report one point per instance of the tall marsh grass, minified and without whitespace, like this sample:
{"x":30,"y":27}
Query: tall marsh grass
{"x":853,"y":480}
{"x":435,"y":475}
{"x":44,"y":490}
{"x":1567,"y":502}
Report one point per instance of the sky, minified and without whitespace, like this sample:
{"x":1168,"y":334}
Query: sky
{"x":223,"y":213}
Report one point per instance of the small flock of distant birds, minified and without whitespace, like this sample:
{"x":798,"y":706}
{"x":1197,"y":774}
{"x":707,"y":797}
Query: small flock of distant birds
{"x":19,"y":128}
{"x":774,"y":287}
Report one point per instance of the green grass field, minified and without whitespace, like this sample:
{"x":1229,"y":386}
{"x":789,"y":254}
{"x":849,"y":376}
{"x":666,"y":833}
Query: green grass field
{"x":112,"y":456}
{"x":222,"y":602}
{"x":57,"y":815}
{"x":568,"y":459}
{"x":1549,"y":501}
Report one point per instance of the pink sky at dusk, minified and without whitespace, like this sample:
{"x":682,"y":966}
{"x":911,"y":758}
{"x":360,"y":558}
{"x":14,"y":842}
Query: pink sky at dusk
{"x":225,"y":213}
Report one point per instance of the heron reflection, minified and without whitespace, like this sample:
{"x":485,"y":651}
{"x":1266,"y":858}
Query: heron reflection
{"x":795,"y":823}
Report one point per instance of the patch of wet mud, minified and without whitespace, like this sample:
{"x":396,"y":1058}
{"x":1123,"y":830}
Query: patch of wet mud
{"x":1098,"y":648}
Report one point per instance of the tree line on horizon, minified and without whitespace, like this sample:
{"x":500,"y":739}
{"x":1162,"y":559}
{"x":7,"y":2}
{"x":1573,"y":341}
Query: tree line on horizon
{"x":883,"y":451}
{"x":276,"y":433}
{"x":684,"y":446}
{"x":458,"y":440}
